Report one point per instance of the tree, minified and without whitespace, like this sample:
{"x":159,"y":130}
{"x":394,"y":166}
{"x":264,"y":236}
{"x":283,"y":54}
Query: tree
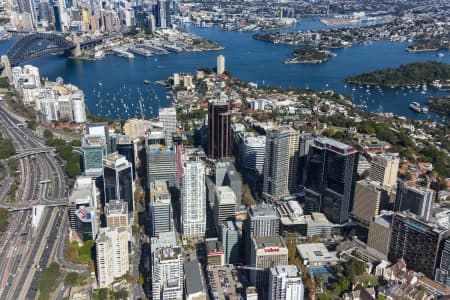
{"x":47,"y":134}
{"x":71,"y":279}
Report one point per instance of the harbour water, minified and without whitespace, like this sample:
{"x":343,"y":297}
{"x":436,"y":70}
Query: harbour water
{"x":115,"y":87}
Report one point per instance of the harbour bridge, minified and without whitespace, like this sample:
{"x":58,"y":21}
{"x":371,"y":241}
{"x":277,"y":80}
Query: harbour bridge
{"x":36,"y":45}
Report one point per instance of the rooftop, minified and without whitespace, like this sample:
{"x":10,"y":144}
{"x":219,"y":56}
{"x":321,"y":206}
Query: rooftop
{"x":262,"y":211}
{"x":333,"y":145}
{"x":316,"y":252}
{"x":193,"y":277}
{"x":289,"y":270}
{"x":225,"y":195}
{"x":114,"y":207}
{"x":269,"y":242}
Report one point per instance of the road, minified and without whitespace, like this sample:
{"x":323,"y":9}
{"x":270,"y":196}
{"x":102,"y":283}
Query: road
{"x":42,"y":181}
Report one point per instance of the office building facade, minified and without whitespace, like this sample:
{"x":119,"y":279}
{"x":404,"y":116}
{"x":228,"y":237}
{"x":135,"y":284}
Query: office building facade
{"x":281,"y":163}
{"x":220,"y":64}
{"x":330,"y":178}
{"x":417,"y":200}
{"x":162,"y":165}
{"x":417,"y":242}
{"x":193,"y":199}
{"x":225,"y":207}
{"x":94,"y":149}
{"x":369,"y":198}
{"x":167,"y":273}
{"x":112,"y":261}
{"x":384,"y":168}
{"x":116,"y":213}
{"x":229,"y":236}
{"x":219,"y":134}
{"x":118,"y":179}
{"x":161,"y":214}
{"x":443,"y":271}
{"x":266,"y":252}
{"x":285,"y":283}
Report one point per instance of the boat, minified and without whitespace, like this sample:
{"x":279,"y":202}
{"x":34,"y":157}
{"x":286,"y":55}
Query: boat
{"x":415,"y":106}
{"x":146,"y":81}
{"x":100,"y":84}
{"x":425,"y":109}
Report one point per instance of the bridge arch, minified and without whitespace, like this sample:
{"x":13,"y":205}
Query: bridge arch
{"x":36,"y":45}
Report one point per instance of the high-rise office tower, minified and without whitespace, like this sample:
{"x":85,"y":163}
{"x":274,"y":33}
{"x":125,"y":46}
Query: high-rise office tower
{"x":306,"y":140}
{"x":193,"y":199}
{"x":116,"y":213}
{"x":417,"y":200}
{"x":266,"y":252}
{"x":384,"y":168}
{"x":380,"y":233}
{"x":167,"y":273}
{"x":160,"y":208}
{"x":118,"y":179}
{"x":168,"y":116}
{"x":280,"y":164}
{"x":162,"y":14}
{"x":417,"y":242}
{"x":111,"y":248}
{"x":285,"y":283}
{"x":229,"y":236}
{"x":330,"y":178}
{"x":162,"y":165}
{"x":369,"y":198}
{"x":220,"y":64}
{"x":225,"y":206}
{"x":83,"y":208}
{"x":78,"y":107}
{"x":27,"y":6}
{"x":219,"y":135}
{"x":262,"y":220}
{"x":94,"y":149}
{"x":252,"y":150}
{"x":443,"y":271}
{"x":126,"y":147}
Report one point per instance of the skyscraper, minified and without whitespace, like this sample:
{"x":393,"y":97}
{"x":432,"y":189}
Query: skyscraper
{"x":384,"y":168}
{"x":160,"y":208}
{"x":369,"y":198}
{"x":219,"y":135}
{"x":168,"y":116}
{"x":443,"y":271}
{"x":417,"y":242}
{"x":27,"y":6}
{"x":417,"y":200}
{"x":225,"y":206}
{"x":162,"y":165}
{"x":126,"y":147}
{"x":111,"y":255}
{"x":94,"y":149}
{"x":285,"y":283}
{"x":193,"y":199}
{"x":262,"y":220}
{"x":229,"y":236}
{"x":118,"y":179}
{"x":220,"y":64}
{"x":266,"y":252}
{"x":167,"y":273}
{"x":116,"y":213}
{"x":280,"y":164}
{"x":330,"y":178}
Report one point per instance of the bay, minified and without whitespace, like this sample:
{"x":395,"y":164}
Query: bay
{"x":115,"y":86}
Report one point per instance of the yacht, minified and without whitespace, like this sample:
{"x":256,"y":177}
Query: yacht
{"x":415,"y":106}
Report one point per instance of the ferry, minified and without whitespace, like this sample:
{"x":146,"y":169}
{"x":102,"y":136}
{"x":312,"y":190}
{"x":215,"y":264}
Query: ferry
{"x":415,"y":106}
{"x":146,"y":81}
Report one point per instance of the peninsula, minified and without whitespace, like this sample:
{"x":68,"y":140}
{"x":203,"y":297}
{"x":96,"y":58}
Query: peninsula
{"x":410,"y":74}
{"x":440,"y":105}
{"x":308,"y":55}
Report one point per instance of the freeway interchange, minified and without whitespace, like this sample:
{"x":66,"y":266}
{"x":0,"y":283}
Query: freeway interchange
{"x":25,"y":250}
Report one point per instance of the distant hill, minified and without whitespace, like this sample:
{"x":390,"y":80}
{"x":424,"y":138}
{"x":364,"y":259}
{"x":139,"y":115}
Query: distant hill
{"x":410,"y":74}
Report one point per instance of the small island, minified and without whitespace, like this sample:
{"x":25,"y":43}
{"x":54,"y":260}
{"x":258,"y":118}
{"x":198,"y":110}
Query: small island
{"x":428,"y":45}
{"x":308,"y":55}
{"x":405,"y":75}
{"x":440,"y":105}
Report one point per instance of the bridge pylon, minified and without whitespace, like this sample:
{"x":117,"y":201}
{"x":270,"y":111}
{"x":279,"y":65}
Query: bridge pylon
{"x":6,"y":72}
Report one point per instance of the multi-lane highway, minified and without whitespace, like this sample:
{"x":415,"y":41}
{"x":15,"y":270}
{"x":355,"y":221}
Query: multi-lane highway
{"x":26,"y":250}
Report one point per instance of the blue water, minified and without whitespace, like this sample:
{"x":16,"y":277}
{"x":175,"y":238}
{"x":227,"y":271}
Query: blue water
{"x":248,"y":59}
